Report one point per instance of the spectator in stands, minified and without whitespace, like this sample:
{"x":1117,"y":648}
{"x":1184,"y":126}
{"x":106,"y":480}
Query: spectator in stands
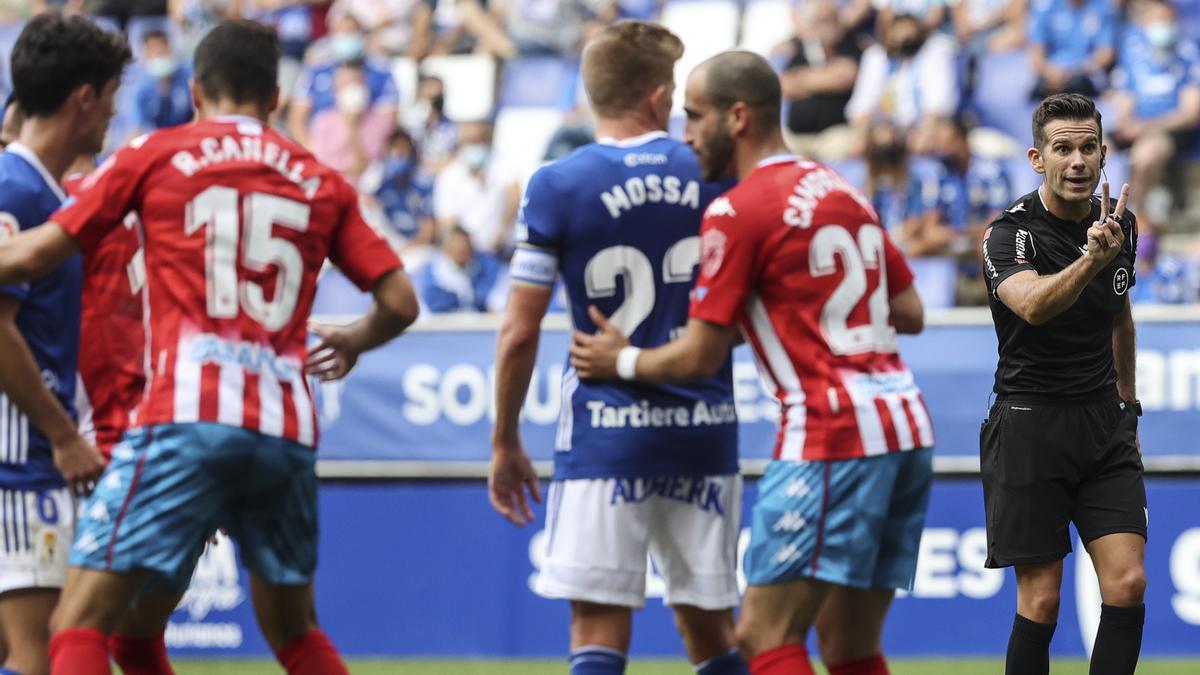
{"x":344,"y":108}
{"x":955,"y":197}
{"x":1072,"y":44}
{"x":476,"y":192}
{"x":195,"y":18}
{"x":553,"y":27}
{"x":294,"y":21}
{"x":1157,"y":101}
{"x":164,"y":93}
{"x":396,"y":27}
{"x":121,"y":11}
{"x":458,"y":279}
{"x":435,"y":134}
{"x":989,"y":25}
{"x":822,"y":64}
{"x":910,"y":77}
{"x":465,"y":26}
{"x":930,"y":13}
{"x":403,"y":192}
{"x":887,"y":183}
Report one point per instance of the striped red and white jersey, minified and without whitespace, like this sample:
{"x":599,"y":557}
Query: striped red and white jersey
{"x":795,"y":257}
{"x":237,"y":222}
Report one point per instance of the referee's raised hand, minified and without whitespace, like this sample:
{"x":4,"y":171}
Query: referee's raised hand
{"x":1105,"y":236}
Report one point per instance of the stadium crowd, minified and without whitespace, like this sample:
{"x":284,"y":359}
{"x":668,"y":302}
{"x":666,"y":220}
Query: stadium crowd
{"x":441,"y":109}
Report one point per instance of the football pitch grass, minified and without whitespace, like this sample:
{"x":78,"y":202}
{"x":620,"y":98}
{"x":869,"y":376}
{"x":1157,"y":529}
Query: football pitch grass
{"x":898,"y":667}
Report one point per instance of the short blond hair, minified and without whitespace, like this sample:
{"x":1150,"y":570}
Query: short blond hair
{"x":625,"y":62}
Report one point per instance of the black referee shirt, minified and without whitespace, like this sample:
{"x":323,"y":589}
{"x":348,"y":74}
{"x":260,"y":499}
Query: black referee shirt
{"x":1069,"y":356}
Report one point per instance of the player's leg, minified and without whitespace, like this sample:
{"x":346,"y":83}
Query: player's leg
{"x":693,"y":541}
{"x":850,"y":630}
{"x":92,"y":602}
{"x":138,"y":644}
{"x":1038,"y":588}
{"x":1028,"y":463}
{"x":152,"y":510}
{"x":37,"y":527}
{"x":1111,"y":518}
{"x":850,"y":625}
{"x":805,"y":515}
{"x":597,"y":534}
{"x":24,"y":622}
{"x":600,"y":637}
{"x":275,"y":521}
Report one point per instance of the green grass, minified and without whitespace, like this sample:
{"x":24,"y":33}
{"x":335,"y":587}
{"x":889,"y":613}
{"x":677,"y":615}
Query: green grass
{"x":898,"y":667}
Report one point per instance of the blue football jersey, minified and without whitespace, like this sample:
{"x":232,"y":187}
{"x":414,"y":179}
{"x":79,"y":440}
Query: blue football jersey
{"x":48,"y":320}
{"x":620,"y":222}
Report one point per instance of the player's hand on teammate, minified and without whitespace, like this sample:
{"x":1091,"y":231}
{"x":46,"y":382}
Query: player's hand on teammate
{"x":510,"y":475}
{"x":1105,"y":236}
{"x":595,"y":356}
{"x":334,"y":356}
{"x":80,"y":464}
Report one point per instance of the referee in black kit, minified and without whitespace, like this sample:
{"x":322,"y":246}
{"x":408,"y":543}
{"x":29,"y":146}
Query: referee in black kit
{"x":1060,"y":444}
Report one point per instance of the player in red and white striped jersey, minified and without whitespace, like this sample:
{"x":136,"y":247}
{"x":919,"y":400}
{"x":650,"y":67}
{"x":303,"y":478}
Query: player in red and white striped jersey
{"x":237,"y":222}
{"x":795,"y":258}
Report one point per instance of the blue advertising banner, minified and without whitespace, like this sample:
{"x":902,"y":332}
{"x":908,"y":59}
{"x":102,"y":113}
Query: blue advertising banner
{"x":429,"y":395}
{"x":427,"y":568}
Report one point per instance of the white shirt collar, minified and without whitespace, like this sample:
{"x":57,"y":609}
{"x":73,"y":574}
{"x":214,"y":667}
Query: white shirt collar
{"x":21,"y":150}
{"x":778,"y":159}
{"x":634,"y":141}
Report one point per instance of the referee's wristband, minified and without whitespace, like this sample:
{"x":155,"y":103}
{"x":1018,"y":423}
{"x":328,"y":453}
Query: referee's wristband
{"x":627,"y":362}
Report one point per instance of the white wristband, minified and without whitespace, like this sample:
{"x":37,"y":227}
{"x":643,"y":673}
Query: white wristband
{"x":627,"y":362}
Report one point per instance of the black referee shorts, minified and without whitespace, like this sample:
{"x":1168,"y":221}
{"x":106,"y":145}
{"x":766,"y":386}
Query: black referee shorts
{"x":1046,"y":464}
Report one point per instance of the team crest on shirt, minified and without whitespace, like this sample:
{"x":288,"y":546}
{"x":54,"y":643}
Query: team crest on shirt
{"x":712,"y":251}
{"x":1121,"y":281}
{"x":9,"y":227}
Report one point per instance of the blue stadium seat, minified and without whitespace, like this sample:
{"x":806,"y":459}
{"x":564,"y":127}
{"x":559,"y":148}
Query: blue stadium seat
{"x":337,"y":296}
{"x":539,"y":82}
{"x":1002,"y":86}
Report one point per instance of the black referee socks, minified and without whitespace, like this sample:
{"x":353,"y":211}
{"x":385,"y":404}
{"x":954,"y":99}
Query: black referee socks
{"x":1029,"y":648}
{"x":1119,"y":640}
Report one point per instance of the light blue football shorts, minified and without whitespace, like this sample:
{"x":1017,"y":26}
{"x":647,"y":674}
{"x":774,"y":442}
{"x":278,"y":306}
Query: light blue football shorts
{"x":169,"y":487}
{"x":855,"y":522}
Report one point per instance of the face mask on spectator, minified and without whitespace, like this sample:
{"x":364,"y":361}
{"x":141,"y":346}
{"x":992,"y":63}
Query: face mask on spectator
{"x":352,"y":98}
{"x":160,"y":67}
{"x":1161,"y":34}
{"x":909,"y":47}
{"x":888,"y":154}
{"x":347,"y":47}
{"x":475,"y":156}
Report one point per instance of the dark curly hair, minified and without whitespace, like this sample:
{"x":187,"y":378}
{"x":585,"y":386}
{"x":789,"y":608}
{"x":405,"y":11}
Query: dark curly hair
{"x":56,"y":54}
{"x":239,"y":61}
{"x":1063,"y":107}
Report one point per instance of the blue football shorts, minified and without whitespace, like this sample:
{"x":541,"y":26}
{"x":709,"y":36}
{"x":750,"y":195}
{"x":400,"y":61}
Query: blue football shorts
{"x":854,"y":522}
{"x":169,"y":487}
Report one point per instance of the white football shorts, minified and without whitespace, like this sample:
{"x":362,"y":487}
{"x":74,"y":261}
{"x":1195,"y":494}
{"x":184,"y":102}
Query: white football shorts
{"x":36,"y":528}
{"x":599,"y":532}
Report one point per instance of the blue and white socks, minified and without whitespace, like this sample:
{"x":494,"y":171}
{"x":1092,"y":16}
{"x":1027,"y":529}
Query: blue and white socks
{"x":596,"y":660}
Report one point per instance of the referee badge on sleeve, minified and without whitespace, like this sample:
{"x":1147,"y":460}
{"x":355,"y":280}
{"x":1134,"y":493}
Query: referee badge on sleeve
{"x":1121,"y":281}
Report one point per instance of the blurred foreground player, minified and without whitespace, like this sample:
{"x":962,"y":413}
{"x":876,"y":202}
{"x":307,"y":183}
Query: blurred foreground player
{"x":795,"y":258}
{"x":1060,"y":445}
{"x":65,"y":74}
{"x":227,"y":430}
{"x":638,"y":468}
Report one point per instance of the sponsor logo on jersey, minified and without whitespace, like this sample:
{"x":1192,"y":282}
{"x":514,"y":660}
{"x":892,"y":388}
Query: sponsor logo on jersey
{"x":1025,"y":249}
{"x":634,"y":159}
{"x":1121,"y":281}
{"x":712,"y":250}
{"x":1018,"y":208}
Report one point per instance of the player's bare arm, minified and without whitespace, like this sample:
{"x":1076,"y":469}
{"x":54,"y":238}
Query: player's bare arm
{"x":79,"y":462}
{"x":1039,"y":298}
{"x":35,"y":253}
{"x":395,"y":309}
{"x":695,"y":355}
{"x":512,"y":471}
{"x":907,"y":312}
{"x":1124,"y":353}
